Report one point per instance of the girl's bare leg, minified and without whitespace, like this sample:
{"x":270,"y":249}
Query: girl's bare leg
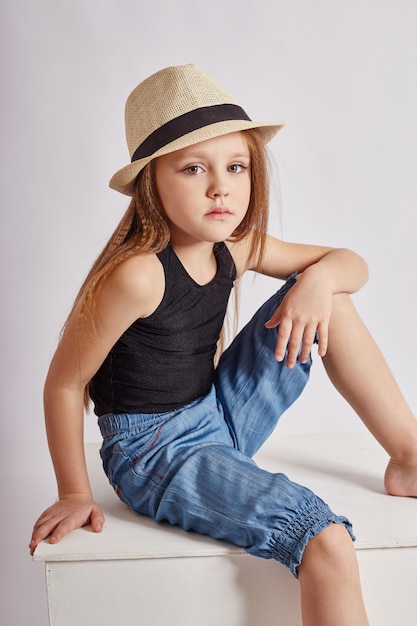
{"x":329,"y":581}
{"x":360,"y":373}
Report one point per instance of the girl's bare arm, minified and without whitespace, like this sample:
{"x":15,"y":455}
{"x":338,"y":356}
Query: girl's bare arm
{"x":306,"y":309}
{"x":133,"y":290}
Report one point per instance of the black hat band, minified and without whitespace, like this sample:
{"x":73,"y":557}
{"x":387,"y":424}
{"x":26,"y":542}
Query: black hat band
{"x":187,"y":123}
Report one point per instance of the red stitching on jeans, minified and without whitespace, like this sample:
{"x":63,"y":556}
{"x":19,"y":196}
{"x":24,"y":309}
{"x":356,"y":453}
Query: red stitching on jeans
{"x":138,"y":459}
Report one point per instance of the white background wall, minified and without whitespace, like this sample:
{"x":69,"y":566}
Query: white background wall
{"x":343,"y":76}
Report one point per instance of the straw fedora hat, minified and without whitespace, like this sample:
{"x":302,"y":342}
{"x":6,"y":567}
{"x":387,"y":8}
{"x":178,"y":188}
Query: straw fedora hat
{"x":175,"y":108}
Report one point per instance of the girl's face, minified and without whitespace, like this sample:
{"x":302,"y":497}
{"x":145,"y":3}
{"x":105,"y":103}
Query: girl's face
{"x":205,"y":188}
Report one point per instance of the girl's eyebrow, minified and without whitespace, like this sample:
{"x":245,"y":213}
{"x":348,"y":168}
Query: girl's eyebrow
{"x":202,"y":155}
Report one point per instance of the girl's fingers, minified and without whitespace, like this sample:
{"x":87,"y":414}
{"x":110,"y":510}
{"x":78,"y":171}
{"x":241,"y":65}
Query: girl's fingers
{"x":294,"y":346}
{"x":323,"y":333}
{"x":284,"y":334}
{"x":60,"y":519}
{"x":297,"y":341}
{"x":307,"y":343}
{"x":289,"y":342}
{"x":97,"y":520}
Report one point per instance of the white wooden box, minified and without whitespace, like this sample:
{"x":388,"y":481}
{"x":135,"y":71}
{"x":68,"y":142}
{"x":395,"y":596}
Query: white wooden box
{"x":140,"y":573}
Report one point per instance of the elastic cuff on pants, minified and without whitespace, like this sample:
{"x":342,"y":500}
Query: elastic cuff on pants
{"x":291,"y":543}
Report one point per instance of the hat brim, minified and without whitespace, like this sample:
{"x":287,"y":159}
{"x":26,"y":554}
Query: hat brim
{"x":124,"y":179}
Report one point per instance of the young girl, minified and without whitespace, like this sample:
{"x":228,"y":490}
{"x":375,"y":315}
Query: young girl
{"x":179,"y":433}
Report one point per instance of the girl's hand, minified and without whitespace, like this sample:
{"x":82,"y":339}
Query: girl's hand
{"x":71,"y":512}
{"x":305,"y":310}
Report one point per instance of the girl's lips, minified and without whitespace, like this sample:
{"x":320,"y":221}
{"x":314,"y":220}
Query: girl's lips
{"x":219,"y":211}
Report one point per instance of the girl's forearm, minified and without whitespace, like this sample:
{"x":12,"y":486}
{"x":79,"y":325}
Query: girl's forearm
{"x":64,"y":419}
{"x":342,"y":270}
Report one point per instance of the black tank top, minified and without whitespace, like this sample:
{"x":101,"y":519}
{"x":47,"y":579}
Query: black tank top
{"x":165,"y":361}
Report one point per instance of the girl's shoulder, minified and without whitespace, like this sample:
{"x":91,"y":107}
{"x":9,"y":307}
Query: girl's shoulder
{"x":242,"y":252}
{"x":139,"y":282}
{"x":239,"y":251}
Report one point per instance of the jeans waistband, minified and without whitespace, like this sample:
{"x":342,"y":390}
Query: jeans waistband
{"x":112,"y":424}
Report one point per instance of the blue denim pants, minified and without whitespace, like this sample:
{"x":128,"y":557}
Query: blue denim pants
{"x":193,"y":466}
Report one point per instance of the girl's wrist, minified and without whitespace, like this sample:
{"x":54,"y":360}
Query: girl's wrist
{"x":321,"y":276}
{"x":75,"y":495}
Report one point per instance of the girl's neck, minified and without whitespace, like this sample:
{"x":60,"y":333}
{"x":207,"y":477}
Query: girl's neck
{"x":198,"y":260}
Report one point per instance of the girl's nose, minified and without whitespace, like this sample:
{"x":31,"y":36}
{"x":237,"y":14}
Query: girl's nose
{"x":219,"y":192}
{"x":218,"y":187}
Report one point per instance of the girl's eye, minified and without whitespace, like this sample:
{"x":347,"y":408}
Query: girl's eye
{"x":193,"y":169}
{"x":236,"y":168}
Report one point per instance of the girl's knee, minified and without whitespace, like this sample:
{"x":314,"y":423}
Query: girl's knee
{"x":331,"y":548}
{"x":342,"y":302}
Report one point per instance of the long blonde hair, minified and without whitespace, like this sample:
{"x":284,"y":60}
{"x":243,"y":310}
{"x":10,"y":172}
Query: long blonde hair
{"x":144,"y":228}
